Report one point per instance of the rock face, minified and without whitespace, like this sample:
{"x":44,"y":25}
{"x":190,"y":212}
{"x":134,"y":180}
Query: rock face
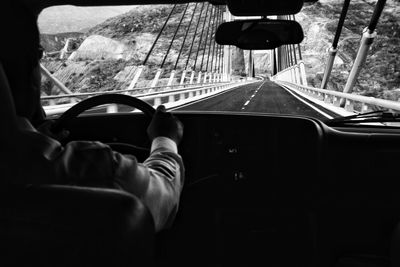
{"x":97,"y":47}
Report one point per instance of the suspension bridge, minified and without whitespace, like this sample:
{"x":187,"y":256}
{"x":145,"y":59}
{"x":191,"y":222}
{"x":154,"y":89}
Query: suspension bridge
{"x":203,"y":79}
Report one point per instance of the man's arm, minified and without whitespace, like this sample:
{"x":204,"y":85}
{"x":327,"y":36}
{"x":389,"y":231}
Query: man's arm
{"x":159,"y":180}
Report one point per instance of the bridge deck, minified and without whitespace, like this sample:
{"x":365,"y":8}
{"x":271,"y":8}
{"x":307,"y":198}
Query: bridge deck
{"x":265,"y":97}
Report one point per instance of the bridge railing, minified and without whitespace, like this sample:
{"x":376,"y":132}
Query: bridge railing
{"x":175,"y":95}
{"x":353,"y":103}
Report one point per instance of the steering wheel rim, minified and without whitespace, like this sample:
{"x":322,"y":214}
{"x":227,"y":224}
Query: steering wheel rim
{"x":95,"y":101}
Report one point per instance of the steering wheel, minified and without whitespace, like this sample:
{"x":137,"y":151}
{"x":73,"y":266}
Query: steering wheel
{"x":95,"y":101}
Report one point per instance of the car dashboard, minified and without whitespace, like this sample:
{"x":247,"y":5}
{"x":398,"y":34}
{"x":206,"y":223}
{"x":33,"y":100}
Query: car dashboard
{"x":280,"y":190}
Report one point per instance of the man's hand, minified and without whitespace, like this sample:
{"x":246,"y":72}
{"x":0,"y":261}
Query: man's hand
{"x":165,"y":124}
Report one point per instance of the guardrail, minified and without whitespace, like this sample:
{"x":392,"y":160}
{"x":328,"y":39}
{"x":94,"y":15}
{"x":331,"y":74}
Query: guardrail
{"x":353,"y":103}
{"x":171,"y":97}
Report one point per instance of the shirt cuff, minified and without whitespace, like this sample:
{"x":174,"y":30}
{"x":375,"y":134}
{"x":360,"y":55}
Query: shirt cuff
{"x":164,"y":143}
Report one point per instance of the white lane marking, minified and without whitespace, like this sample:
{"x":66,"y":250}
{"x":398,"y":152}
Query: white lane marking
{"x":251,"y":97}
{"x":305,"y":102}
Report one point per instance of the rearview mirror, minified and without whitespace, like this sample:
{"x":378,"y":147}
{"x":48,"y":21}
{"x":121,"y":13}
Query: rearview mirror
{"x":259,"y":34}
{"x":263,"y":7}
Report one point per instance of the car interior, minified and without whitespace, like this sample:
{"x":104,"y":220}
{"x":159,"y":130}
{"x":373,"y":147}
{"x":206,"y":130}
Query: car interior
{"x":260,"y":190}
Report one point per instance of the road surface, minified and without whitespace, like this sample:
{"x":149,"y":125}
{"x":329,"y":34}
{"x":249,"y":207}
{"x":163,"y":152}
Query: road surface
{"x":265,"y":97}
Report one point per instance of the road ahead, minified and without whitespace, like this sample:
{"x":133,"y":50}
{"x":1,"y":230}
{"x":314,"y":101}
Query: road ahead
{"x":266,"y":97}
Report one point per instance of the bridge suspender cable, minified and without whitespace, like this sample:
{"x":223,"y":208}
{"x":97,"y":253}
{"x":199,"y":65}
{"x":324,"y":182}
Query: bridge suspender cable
{"x":211,"y":37}
{"x":212,"y":40}
{"x":184,"y":38}
{"x":333,"y":50}
{"x":173,"y":38}
{"x":294,"y":54}
{"x":218,"y":68}
{"x":194,"y":35}
{"x":206,"y":40}
{"x":300,"y":64}
{"x":292,"y":70}
{"x":375,"y":17}
{"x":201,"y":37}
{"x":218,"y":50}
{"x":140,"y":68}
{"x":213,"y":48}
{"x":367,"y":39}
{"x":158,"y":36}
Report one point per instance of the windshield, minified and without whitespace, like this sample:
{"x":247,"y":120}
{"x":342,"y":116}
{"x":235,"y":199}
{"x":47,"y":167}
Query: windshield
{"x":166,"y":54}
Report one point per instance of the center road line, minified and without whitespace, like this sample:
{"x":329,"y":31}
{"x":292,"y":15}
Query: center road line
{"x":251,"y":97}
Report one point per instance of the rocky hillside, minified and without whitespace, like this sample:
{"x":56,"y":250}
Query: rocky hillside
{"x":111,"y":50}
{"x":108,"y":53}
{"x":380,"y":76}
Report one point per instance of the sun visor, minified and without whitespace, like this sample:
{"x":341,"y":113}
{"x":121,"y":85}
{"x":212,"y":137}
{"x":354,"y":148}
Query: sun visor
{"x":263,"y":7}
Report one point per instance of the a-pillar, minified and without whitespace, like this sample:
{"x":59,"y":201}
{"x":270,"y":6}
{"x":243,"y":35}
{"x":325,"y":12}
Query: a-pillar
{"x":156,"y":78}
{"x":136,"y":77}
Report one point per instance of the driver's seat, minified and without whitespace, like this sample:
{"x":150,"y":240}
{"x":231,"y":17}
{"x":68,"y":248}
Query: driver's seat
{"x":53,"y":225}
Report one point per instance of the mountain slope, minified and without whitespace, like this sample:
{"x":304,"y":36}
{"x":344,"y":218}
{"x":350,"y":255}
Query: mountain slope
{"x":59,"y":19}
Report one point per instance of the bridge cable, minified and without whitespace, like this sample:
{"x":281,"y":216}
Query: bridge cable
{"x":158,"y":36}
{"x":367,"y":39}
{"x":214,"y":49}
{"x":206,"y":40}
{"x":220,"y":58}
{"x":298,"y":45}
{"x":290,"y":48}
{"x":291,"y":55}
{"x":184,"y":38}
{"x":279,"y":58}
{"x":211,"y":38}
{"x":218,"y":67}
{"x":294,"y":54}
{"x":213,"y":53}
{"x":194,"y":35}
{"x":201,"y":37}
{"x":375,"y":16}
{"x":220,"y":48}
{"x":341,"y":22}
{"x":285,"y":57}
{"x":173,"y":38}
{"x":333,"y":50}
